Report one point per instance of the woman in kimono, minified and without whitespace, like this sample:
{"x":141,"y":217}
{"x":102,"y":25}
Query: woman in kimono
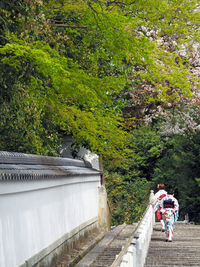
{"x":156,"y":203}
{"x":169,"y":209}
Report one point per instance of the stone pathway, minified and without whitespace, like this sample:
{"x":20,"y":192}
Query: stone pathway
{"x":73,"y":255}
{"x":99,"y":251}
{"x":106,"y":250}
{"x":184,"y":251}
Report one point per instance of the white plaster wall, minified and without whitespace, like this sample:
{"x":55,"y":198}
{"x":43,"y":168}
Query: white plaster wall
{"x":34,"y":214}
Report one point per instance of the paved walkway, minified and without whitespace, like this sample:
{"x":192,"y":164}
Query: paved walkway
{"x":106,"y":250}
{"x":100,"y":251}
{"x":184,"y":251}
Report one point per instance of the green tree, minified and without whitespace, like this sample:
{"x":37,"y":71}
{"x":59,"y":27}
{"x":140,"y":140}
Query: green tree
{"x":74,"y":61}
{"x":128,"y":183}
{"x":178,"y":169}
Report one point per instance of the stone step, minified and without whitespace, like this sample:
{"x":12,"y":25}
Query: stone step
{"x":182,"y":252}
{"x":105,"y":252}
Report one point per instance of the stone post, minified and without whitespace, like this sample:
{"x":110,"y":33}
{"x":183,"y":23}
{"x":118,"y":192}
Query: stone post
{"x":104,"y":211}
{"x":151,"y":197}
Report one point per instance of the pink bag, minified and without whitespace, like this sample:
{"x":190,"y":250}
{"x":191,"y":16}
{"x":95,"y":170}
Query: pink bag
{"x":158,"y":214}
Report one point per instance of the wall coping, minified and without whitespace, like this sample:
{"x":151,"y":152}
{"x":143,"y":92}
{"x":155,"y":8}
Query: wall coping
{"x":22,"y":158}
{"x":21,"y":166}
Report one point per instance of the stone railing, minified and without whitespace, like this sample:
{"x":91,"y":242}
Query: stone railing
{"x":46,"y":204}
{"x":136,"y":249}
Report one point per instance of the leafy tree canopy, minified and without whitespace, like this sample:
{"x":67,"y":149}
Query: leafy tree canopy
{"x":70,"y":63}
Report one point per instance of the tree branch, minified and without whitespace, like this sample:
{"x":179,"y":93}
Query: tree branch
{"x":1,"y":36}
{"x":120,"y":3}
{"x":69,"y":26}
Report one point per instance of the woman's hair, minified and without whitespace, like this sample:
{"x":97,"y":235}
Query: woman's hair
{"x":161,"y":186}
{"x":171,"y":191}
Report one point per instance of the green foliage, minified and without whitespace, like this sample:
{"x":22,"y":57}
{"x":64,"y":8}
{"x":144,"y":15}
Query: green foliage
{"x":113,"y":39}
{"x":77,"y":104}
{"x":147,"y":147}
{"x":73,"y":61}
{"x":28,"y":126}
{"x":128,"y":182}
{"x":178,"y":169}
{"x":154,"y":158}
{"x":128,"y":199}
